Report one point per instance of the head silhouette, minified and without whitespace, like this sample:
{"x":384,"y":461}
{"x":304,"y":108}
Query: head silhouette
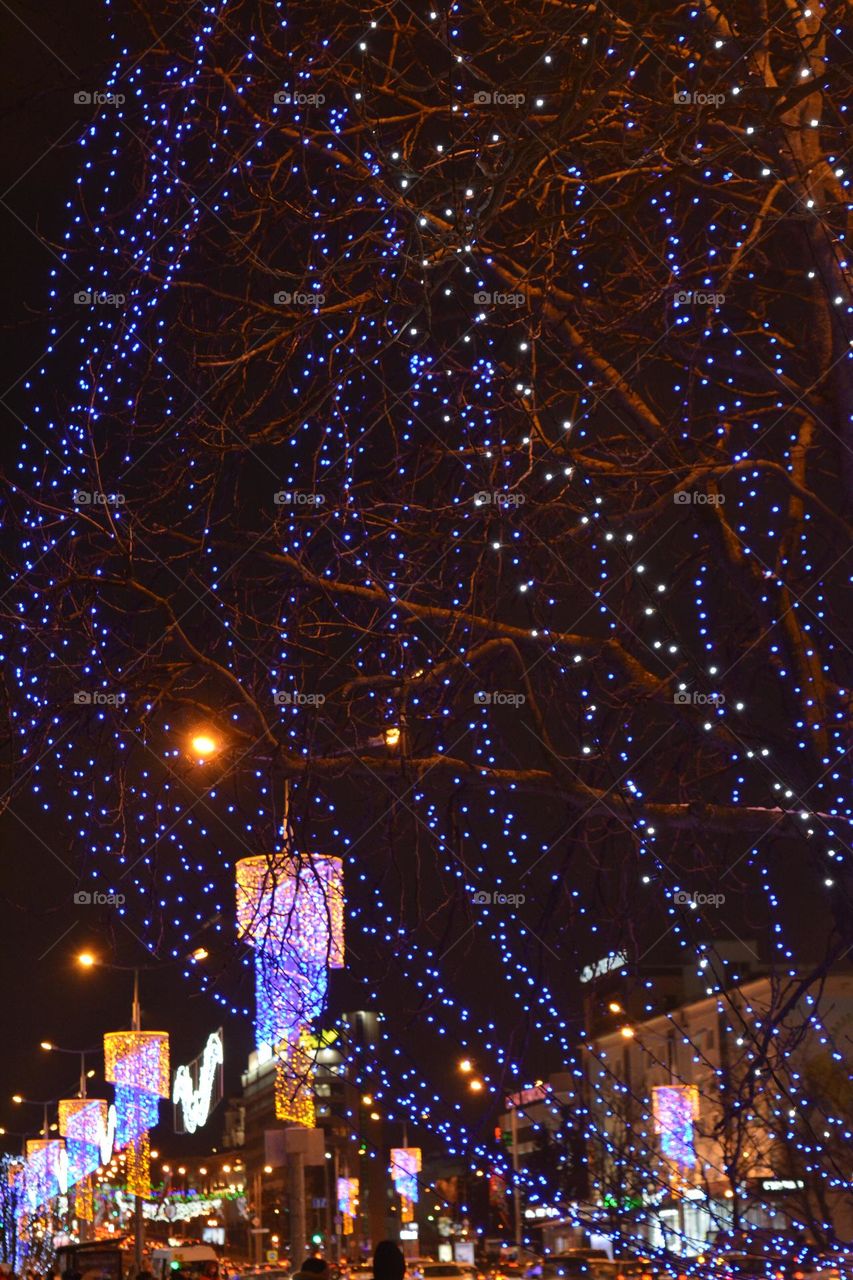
{"x":388,"y":1261}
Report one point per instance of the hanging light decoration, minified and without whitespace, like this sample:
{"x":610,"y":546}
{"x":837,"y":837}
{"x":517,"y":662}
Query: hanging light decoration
{"x":290,"y":907}
{"x":44,"y":1172}
{"x":675,"y":1109}
{"x":347,"y":1204}
{"x":406,"y":1164}
{"x":137,"y":1063}
{"x":82,"y":1122}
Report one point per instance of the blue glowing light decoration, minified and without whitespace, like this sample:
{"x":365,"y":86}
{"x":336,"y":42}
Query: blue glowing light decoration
{"x":675,"y":1109}
{"x":347,"y":1196}
{"x":44,"y":1173}
{"x":174,"y":108}
{"x":291,"y":908}
{"x":406,"y":1163}
{"x":85,"y":1125}
{"x":137,"y":1063}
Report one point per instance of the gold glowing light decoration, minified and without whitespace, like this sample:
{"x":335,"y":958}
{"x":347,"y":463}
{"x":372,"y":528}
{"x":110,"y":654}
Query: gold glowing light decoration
{"x":348,"y":1203}
{"x":290,"y":907}
{"x":137,"y":1064}
{"x":83,"y":1124}
{"x":406,"y":1164}
{"x":43,"y":1175}
{"x":675,"y":1109}
{"x":294,"y":1095}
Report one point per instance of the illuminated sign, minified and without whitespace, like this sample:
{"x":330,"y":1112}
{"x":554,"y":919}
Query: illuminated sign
{"x":526,"y":1097}
{"x":616,"y":960}
{"x":197,"y":1087}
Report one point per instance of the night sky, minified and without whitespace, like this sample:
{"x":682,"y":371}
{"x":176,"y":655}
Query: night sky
{"x":54,"y":50}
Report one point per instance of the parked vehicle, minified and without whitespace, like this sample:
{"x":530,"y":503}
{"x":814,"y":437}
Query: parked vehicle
{"x":447,"y":1271}
{"x":93,"y":1260}
{"x":575,"y":1264}
{"x":196,"y":1260}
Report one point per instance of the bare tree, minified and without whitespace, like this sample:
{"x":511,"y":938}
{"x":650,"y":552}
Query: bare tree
{"x":456,"y":422}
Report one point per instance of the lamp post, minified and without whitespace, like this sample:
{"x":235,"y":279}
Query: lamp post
{"x":516,"y":1188}
{"x":20,"y":1101}
{"x":50,"y":1047}
{"x":87,"y":960}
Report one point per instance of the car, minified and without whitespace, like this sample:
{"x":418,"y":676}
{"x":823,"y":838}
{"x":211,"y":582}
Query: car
{"x":194,"y":1260}
{"x":752,"y":1266}
{"x":623,"y":1269}
{"x":572,"y":1265}
{"x":508,"y":1270}
{"x":446,"y":1271}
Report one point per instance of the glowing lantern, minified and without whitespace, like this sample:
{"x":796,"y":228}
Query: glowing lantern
{"x":675,"y":1109}
{"x":44,"y":1173}
{"x":405,"y":1166}
{"x":137,"y":1063}
{"x":290,"y":907}
{"x":83,"y":1123}
{"x":347,"y":1203}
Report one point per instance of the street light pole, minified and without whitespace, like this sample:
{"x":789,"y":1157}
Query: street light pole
{"x":138,"y":1216}
{"x":516,"y":1187}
